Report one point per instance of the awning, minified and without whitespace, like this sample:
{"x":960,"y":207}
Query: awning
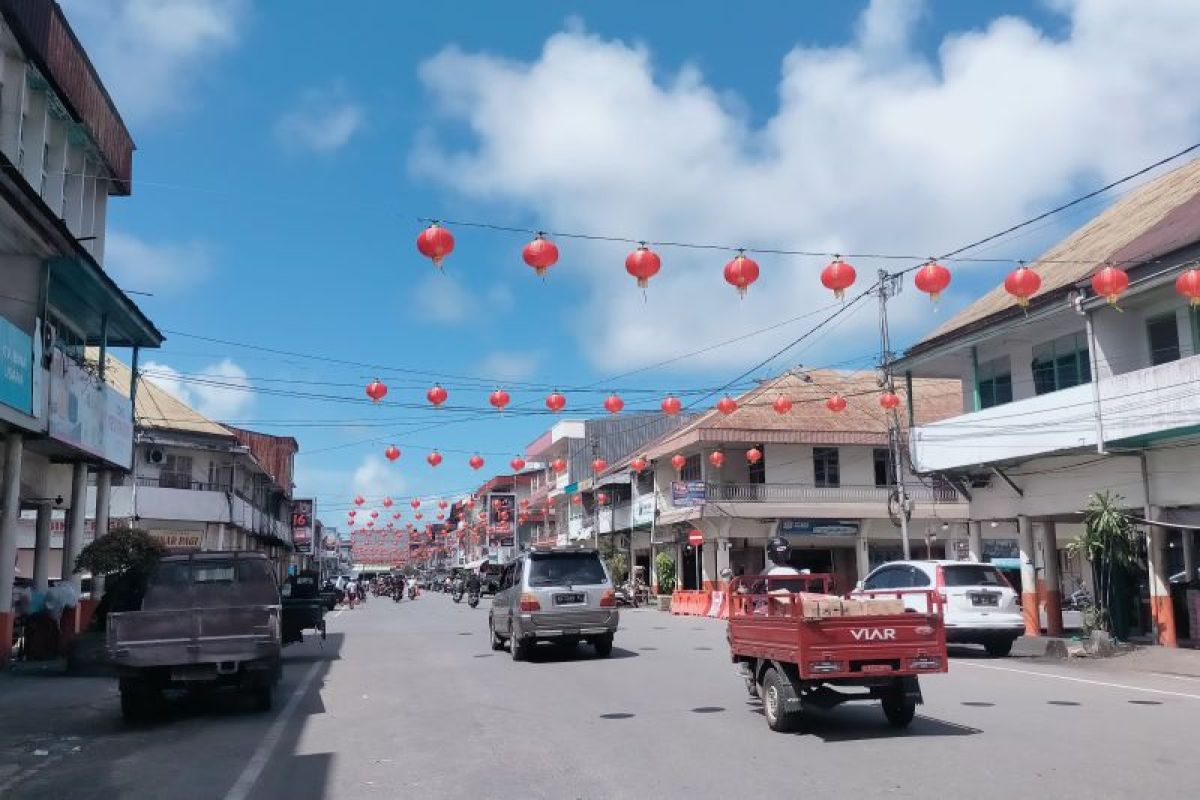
{"x":86,"y":295}
{"x":1180,"y":518}
{"x":615,"y":479}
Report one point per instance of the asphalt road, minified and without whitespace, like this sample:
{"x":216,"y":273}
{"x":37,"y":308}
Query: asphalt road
{"x":409,"y":700}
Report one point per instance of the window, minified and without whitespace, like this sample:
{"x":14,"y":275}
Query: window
{"x":176,"y":472}
{"x":972,"y":575}
{"x":566,"y":569}
{"x":1163,"y":335}
{"x":993,"y":382}
{"x":1061,"y":364}
{"x":885,"y":474}
{"x":691,"y":469}
{"x":825,"y":467}
{"x":889,"y":578}
{"x":758,"y":470}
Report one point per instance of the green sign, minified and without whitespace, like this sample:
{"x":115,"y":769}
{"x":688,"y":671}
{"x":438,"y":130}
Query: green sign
{"x":16,"y":367}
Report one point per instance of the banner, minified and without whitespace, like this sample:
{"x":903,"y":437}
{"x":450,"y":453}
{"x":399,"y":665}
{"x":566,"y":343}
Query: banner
{"x":818,"y":527}
{"x":643,"y":509}
{"x":179,"y":540}
{"x":88,"y":414}
{"x":687,"y":493}
{"x":501,"y":514}
{"x":16,"y":367}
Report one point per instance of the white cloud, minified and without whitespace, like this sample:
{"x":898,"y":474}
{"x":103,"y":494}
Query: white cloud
{"x":509,"y":365}
{"x":323,"y":120}
{"x":160,"y":268}
{"x":221,"y":391}
{"x":149,"y":53}
{"x":872,"y":147}
{"x":442,"y":297}
{"x":375,"y":478}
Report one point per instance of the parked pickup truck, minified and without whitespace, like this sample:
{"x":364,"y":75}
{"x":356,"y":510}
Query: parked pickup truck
{"x":799,"y":647}
{"x":208,"y":619}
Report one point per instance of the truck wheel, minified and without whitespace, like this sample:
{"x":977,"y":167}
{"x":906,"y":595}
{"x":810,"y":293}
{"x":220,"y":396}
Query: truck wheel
{"x":751,"y":687}
{"x":603,"y":646}
{"x":780,"y":702}
{"x":899,"y":709}
{"x":139,"y":701}
{"x":998,"y":648}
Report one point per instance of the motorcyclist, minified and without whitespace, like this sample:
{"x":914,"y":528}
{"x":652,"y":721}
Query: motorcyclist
{"x":473,"y":585}
{"x":778,"y":554}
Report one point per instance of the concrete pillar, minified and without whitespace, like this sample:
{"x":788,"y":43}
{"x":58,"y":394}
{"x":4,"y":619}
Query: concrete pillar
{"x":1051,"y":580}
{"x":103,"y":497}
{"x":1188,"y":541}
{"x":41,"y":547}
{"x":975,"y":540}
{"x":1029,"y":595}
{"x":862,"y":553}
{"x":10,"y":512}
{"x":1161,"y":610}
{"x":722,"y":555}
{"x":75,"y":526}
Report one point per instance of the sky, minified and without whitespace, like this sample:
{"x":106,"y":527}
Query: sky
{"x":288,"y":151}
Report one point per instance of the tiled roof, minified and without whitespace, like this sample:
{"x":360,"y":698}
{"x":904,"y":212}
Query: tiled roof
{"x":158,"y":409}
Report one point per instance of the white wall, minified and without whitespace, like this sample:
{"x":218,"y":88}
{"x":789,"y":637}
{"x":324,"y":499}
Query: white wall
{"x":1121,"y":341}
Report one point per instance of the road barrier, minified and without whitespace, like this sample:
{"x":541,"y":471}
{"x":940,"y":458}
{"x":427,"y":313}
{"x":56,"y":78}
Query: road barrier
{"x":700,"y":604}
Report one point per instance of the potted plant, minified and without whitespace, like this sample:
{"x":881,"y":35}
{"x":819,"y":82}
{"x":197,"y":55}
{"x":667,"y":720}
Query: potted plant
{"x":1110,"y":543}
{"x":664,"y":568}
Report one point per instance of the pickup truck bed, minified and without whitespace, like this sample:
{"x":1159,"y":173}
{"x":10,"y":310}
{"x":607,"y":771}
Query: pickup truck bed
{"x":792,"y":655}
{"x":193,"y":636}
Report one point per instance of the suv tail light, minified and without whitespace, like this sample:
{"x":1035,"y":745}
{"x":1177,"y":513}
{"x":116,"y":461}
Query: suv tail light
{"x":608,"y":599}
{"x":529,"y":602}
{"x":941,"y":585}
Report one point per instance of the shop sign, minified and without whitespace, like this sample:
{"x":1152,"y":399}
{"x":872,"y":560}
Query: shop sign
{"x":507,"y":541}
{"x":303,"y":520}
{"x":88,"y":414}
{"x":643,"y":509}
{"x":501,"y":509}
{"x":179,"y":540}
{"x":818,"y":527}
{"x":16,"y":367}
{"x":687,"y":493}
{"x":1001,"y":548}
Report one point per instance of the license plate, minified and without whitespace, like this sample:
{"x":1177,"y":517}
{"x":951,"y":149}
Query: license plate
{"x":877,"y":668}
{"x":985,"y":599}
{"x":567,"y":599}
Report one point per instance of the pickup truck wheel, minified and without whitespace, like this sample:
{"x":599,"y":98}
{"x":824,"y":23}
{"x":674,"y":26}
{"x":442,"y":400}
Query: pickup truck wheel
{"x":603,"y":646}
{"x":899,"y":710}
{"x":779,"y":702}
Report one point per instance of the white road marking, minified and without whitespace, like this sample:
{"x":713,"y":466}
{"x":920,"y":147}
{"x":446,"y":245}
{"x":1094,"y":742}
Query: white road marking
{"x":1073,"y":679}
{"x":338,"y":613}
{"x":262,"y":754}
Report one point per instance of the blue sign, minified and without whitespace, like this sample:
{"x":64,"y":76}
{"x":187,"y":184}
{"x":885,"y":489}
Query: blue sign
{"x":818,"y":527}
{"x":687,"y":493}
{"x":16,"y":367}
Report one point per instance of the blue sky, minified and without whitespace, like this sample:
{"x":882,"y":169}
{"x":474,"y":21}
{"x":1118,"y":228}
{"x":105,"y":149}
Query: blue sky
{"x":286,"y":150}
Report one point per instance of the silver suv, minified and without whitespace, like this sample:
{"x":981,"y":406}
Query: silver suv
{"x":561,"y":595}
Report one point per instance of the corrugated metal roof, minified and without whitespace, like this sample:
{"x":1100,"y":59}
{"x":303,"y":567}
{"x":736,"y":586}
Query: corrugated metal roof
{"x":158,"y":409}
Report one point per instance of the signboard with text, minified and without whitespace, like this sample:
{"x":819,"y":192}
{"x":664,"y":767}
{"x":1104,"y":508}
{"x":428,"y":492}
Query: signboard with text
{"x":303,"y":523}
{"x":687,"y":493}
{"x":501,"y":513}
{"x":89,"y":414}
{"x":16,"y":367}
{"x":643,"y":509}
{"x":179,"y":540}
{"x":818,"y":527}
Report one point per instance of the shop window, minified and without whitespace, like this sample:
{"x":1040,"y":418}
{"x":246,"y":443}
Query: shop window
{"x":176,"y":472}
{"x":1061,"y":363}
{"x":1163,"y":334}
{"x":826,"y":470}
{"x":885,"y":473}
{"x":691,"y":469}
{"x":758,"y":470}
{"x":993,"y":382}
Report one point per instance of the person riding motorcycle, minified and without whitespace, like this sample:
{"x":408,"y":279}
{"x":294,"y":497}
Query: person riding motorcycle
{"x":473,"y":586}
{"x":778,"y":553}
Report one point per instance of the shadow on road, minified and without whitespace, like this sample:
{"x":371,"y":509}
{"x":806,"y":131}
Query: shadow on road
{"x":865,"y":721}
{"x":555,"y":654}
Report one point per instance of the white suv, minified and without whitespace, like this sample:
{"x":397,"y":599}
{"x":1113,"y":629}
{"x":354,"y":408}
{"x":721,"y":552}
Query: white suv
{"x":980,"y":605}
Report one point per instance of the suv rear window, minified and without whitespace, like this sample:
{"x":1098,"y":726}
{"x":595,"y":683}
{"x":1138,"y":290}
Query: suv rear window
{"x":565,"y":569}
{"x":972,"y":575}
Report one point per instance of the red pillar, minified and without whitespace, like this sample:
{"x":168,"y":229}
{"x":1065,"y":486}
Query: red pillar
{"x":6,"y":634}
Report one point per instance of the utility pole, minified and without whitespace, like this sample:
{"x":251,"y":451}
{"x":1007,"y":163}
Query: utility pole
{"x":889,"y":286}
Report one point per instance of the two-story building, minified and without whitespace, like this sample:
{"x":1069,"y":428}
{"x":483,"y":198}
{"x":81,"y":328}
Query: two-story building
{"x":1075,"y":395}
{"x":822,"y":479}
{"x":64,"y":151}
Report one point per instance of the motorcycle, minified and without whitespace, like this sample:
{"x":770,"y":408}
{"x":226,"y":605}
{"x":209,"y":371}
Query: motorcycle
{"x":624,"y":597}
{"x":397,"y":594}
{"x":473,"y":598}
{"x":412,"y":592}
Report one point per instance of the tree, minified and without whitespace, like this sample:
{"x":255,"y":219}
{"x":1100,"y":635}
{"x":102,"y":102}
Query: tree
{"x":664,"y":568}
{"x":1109,"y":542}
{"x":618,"y":566}
{"x":126,"y":556}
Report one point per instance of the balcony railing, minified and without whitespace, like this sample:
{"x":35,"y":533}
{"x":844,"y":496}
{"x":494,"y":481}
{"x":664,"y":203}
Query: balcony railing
{"x":172,"y":481}
{"x":794,"y":493}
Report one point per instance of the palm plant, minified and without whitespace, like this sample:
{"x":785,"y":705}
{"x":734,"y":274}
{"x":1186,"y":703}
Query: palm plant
{"x":1109,"y":543}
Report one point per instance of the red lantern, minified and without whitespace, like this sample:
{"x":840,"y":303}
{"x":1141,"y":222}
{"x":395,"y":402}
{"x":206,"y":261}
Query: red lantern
{"x":376,"y":389}
{"x":443,"y":504}
{"x":754,"y":455}
{"x":392,"y":452}
{"x":476,"y":461}
{"x":613,"y":404}
{"x":601,"y":498}
{"x":727,"y":405}
{"x":638,"y":464}
{"x":741,"y":272}
{"x":577,"y":499}
{"x":599,"y":465}
{"x":437,"y":395}
{"x":435,"y":243}
{"x":782,"y":405}
{"x":517,"y":464}
{"x":470,"y":502}
{"x":441,"y":516}
{"x":1188,"y":285}
{"x":716,"y":458}
{"x":1110,"y":282}
{"x":387,"y":502}
{"x":671,"y":405}
{"x":643,"y":264}
{"x":359,"y":500}
{"x":836,"y":404}
{"x":678,"y":462}
{"x":352,"y":512}
{"x":889,"y":400}
{"x":374,"y":514}
{"x":541,"y":254}
{"x":1022,"y":283}
{"x":932,"y":279}
{"x":418,"y":515}
{"x":499,"y":399}
{"x":556,"y":402}
{"x":415,"y":503}
{"x":838,"y":276}
{"x":558,"y":465}
{"x":397,"y":515}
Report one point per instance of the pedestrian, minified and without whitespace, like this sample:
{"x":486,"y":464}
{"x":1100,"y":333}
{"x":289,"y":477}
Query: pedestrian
{"x":351,"y":592}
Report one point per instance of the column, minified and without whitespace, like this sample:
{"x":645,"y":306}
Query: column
{"x":722,"y":555}
{"x":975,"y":540}
{"x":863,"y":553}
{"x":41,"y":547}
{"x":103,"y":497}
{"x":1029,"y":594}
{"x":1161,"y":610}
{"x":1188,"y":541}
{"x":1050,"y":577}
{"x":10,"y":497}
{"x":75,"y":526}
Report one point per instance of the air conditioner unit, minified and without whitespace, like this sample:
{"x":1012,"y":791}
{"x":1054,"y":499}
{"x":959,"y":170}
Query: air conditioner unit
{"x":155,"y":456}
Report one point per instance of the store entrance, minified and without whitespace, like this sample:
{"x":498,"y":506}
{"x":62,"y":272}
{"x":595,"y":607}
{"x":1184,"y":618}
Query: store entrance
{"x":812,"y":560}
